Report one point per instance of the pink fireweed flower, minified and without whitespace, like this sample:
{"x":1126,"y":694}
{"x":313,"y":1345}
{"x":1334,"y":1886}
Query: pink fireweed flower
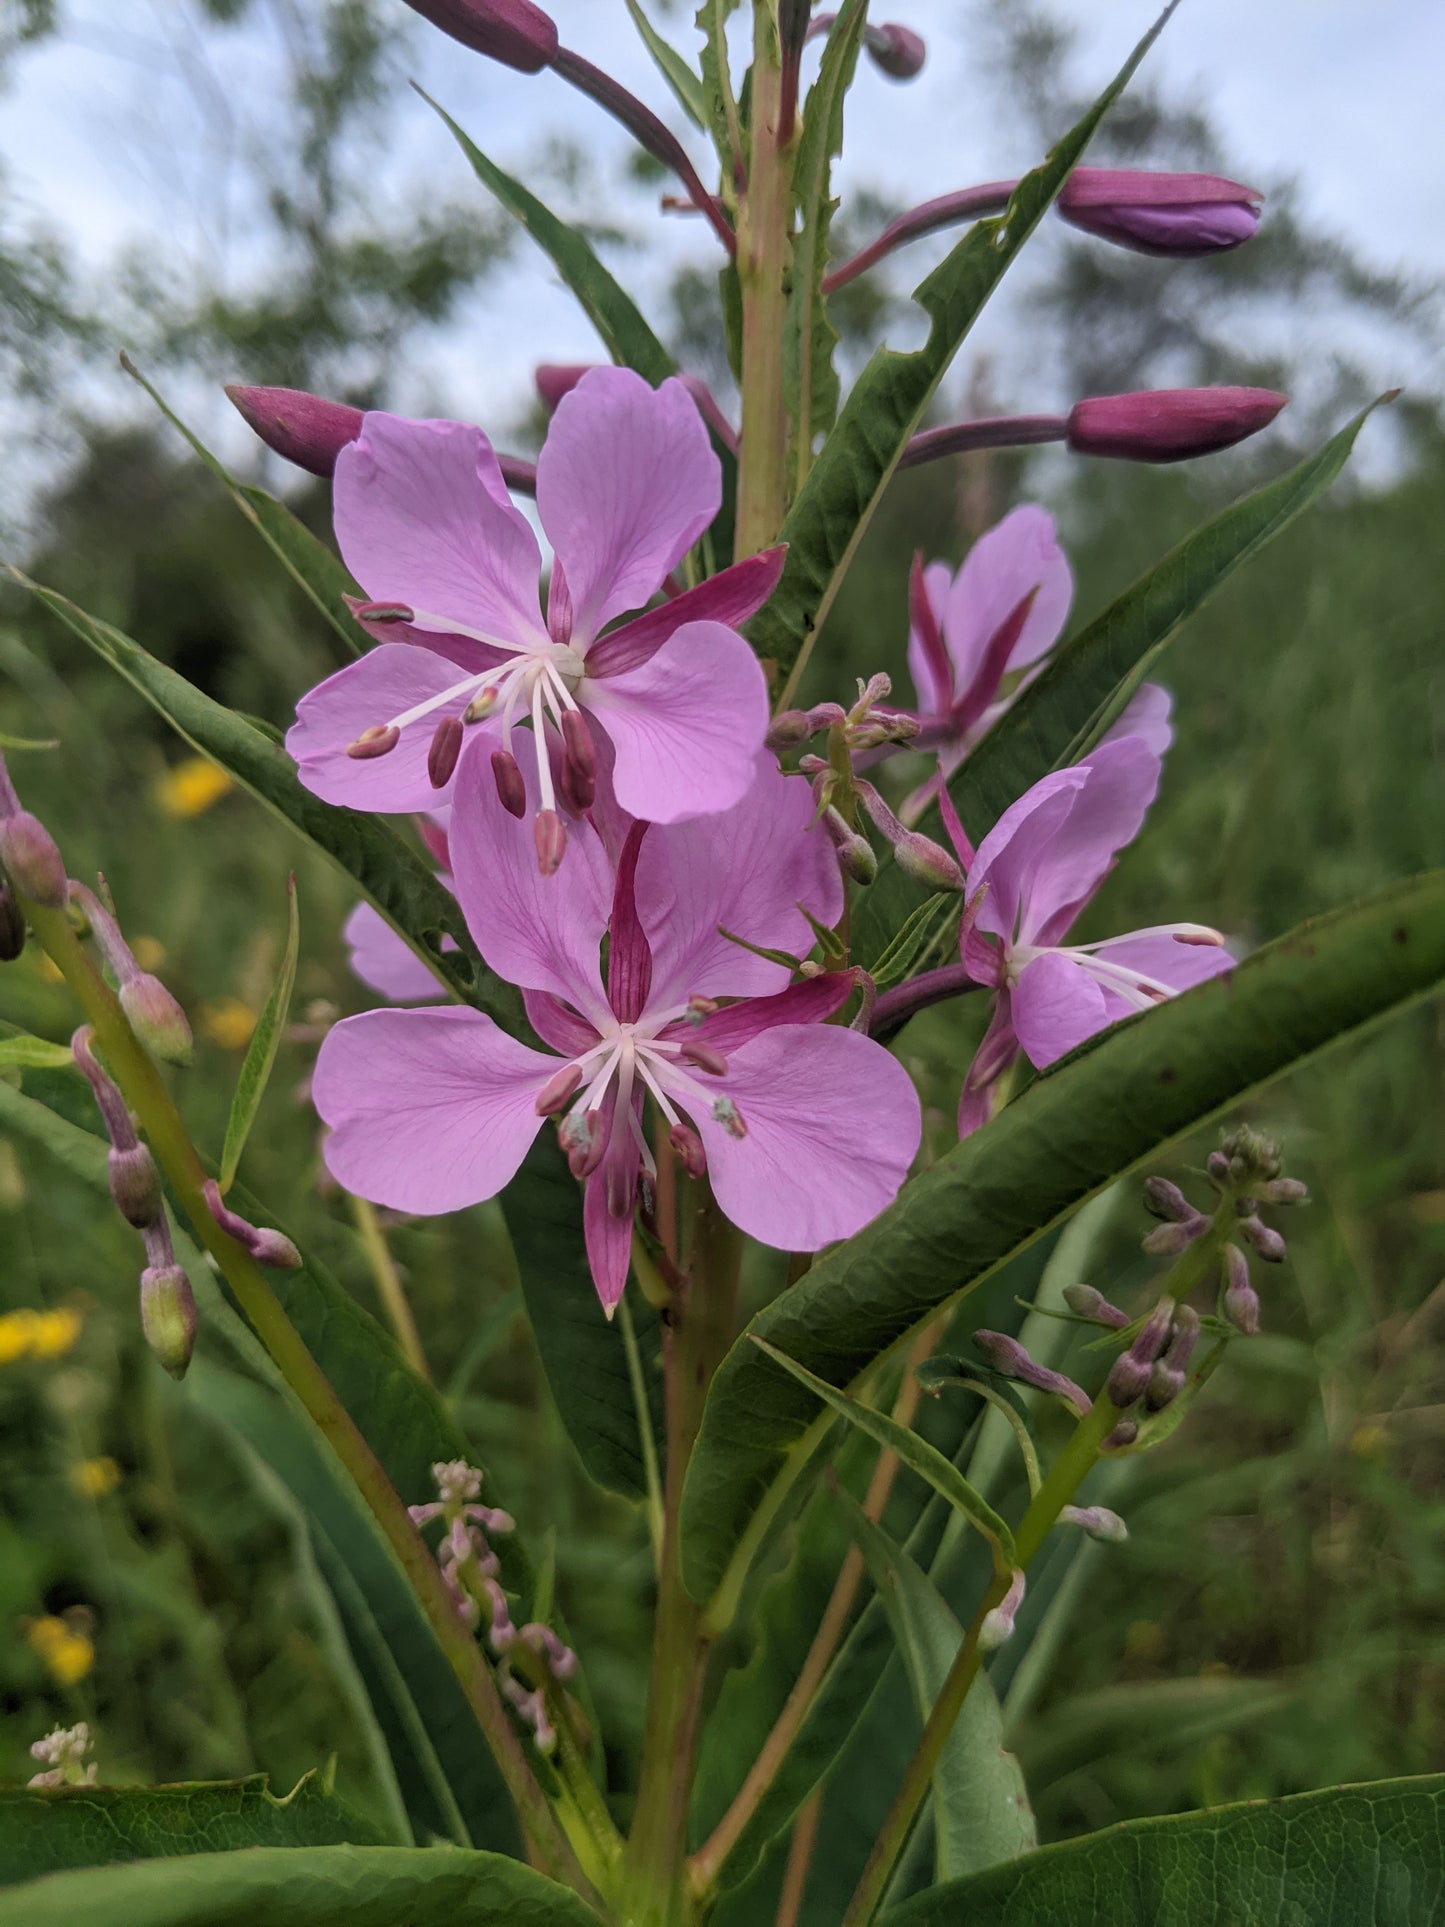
{"x":626,"y":483}
{"x":1032,"y":876}
{"x":1001,"y":612}
{"x":806,"y":1129}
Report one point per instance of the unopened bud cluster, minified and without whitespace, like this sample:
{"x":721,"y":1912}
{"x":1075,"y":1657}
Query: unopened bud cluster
{"x":472,"y":1572}
{"x":62,"y":1756}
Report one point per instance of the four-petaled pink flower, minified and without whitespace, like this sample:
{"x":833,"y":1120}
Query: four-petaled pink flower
{"x":806,"y":1130}
{"x":1031,"y":878}
{"x":999,"y":614}
{"x":627,"y":481}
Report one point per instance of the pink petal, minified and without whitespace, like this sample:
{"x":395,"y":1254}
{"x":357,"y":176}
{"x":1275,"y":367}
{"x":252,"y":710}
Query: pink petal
{"x":932,"y":678}
{"x":475,"y":656}
{"x":423,"y":518}
{"x":729,"y":598}
{"x":556,"y":1025}
{"x":1056,"y":1005}
{"x":686,"y":725}
{"x":1146,"y":714}
{"x":832,"y":1124}
{"x":1019,"y":554}
{"x":809,"y":1002}
{"x":1121,"y":781}
{"x":996,"y":1051}
{"x":608,"y":1232}
{"x":542,"y":933}
{"x":747,"y":871}
{"x":1179,"y":965}
{"x":430,"y":1110}
{"x":385,"y":962}
{"x":626,"y":482}
{"x":384,"y":683}
{"x":1011,"y":855}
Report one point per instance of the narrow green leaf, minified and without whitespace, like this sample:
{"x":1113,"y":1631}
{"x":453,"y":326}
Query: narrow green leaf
{"x":609,"y":307}
{"x":810,"y":381}
{"x":1066,"y":1137}
{"x":1344,"y":1855}
{"x":301,"y":1887}
{"x":915,"y":1452}
{"x":319,"y":573}
{"x":680,"y":77}
{"x":261,"y":1051}
{"x":925,"y":931}
{"x":887,"y":402}
{"x":582,"y":1353}
{"x":1064,"y":712}
{"x":51,"y":1831}
{"x":23,"y":1052}
{"x":27,"y":742}
{"x":981,"y":1808}
{"x":387,"y":871}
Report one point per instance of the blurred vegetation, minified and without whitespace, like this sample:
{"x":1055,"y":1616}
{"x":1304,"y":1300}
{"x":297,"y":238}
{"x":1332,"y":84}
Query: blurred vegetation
{"x":1274,"y":1622}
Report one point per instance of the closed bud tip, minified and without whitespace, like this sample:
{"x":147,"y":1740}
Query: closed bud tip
{"x":1085,"y":1302}
{"x":1168,"y":1240}
{"x":29,"y":854}
{"x":1166,"y":1200}
{"x":998,"y":1625}
{"x":1265,"y":1239}
{"x":896,"y":51}
{"x":1162,"y":214}
{"x":1098,"y":1521}
{"x":156,"y":1018}
{"x":1170,"y":424}
{"x":135,"y":1184}
{"x":514,"y":32}
{"x":301,"y":428}
{"x":168,"y":1316}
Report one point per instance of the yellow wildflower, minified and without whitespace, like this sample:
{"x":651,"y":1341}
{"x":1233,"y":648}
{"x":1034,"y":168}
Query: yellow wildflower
{"x":15,"y":1335}
{"x":191,"y":787}
{"x":54,"y":1332}
{"x":67,"y":1655}
{"x":227,"y":1022}
{"x":94,"y":1478}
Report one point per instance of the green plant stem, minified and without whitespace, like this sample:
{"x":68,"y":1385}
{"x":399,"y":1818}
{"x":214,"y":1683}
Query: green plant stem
{"x":389,"y":1286}
{"x":1057,"y":1491}
{"x":148,"y":1098}
{"x":644,"y":1431}
{"x":764,"y":249}
{"x":696,"y":1334}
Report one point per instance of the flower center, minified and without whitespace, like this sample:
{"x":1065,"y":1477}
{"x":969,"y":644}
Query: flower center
{"x":633,"y":1053}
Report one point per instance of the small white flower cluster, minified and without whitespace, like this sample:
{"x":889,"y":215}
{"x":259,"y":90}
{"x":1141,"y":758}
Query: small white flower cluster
{"x":62,"y":1752}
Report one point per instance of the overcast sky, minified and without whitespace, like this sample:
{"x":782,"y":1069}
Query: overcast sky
{"x":131,"y":129}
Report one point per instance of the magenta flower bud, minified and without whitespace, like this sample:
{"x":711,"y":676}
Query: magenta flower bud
{"x":1166,"y":1378}
{"x":998,"y":1625}
{"x":513,"y":32}
{"x":156,"y":1018}
{"x":1168,"y":1240}
{"x":446,"y":748}
{"x":1170,"y":424}
{"x":1166,"y":1200}
{"x":511,"y":790}
{"x":789,"y":728}
{"x":1124,"y":1433}
{"x":917,"y":856}
{"x":1098,"y":1521}
{"x":1217,"y":1165}
{"x":1008,"y":1356}
{"x":689,"y":1148}
{"x":1167,"y":214}
{"x":555,"y":379}
{"x":1283,"y":1191}
{"x":1265,"y":1239}
{"x":300,"y":428}
{"x":12,"y":925}
{"x":135,"y":1184}
{"x":1086,"y":1302}
{"x":1241,"y":1300}
{"x":270,"y":1248}
{"x":28,"y":851}
{"x":168,"y":1316}
{"x":896,"y":51}
{"x":1129,"y":1378}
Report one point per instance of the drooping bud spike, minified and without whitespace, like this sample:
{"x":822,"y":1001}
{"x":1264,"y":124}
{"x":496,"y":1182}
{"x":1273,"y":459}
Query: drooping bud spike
{"x":300,"y":428}
{"x":689,"y":1148}
{"x":579,"y":759}
{"x":446,"y":748}
{"x":511,"y":790}
{"x":1170,"y":424}
{"x":998,"y":1625}
{"x":1086,"y":1302}
{"x":271,"y":1248}
{"x":560,"y":1086}
{"x":1008,"y":1356}
{"x":168,"y":1316}
{"x":157,"y":1019}
{"x":135,"y":1185}
{"x":1161,"y":214}
{"x":1265,"y":1239}
{"x":514,"y":32}
{"x":1098,"y":1521}
{"x":1166,"y":1200}
{"x":896,"y":51}
{"x":704,"y":1058}
{"x":379,"y":740}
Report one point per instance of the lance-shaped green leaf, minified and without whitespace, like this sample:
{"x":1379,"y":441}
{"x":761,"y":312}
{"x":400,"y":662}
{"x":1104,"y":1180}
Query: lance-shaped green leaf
{"x":387,"y":871}
{"x":13,"y":743}
{"x":310,"y":564}
{"x":914,"y":1451}
{"x":887,"y":402}
{"x":924,"y":939}
{"x":1062,"y":714}
{"x":51,"y":1831}
{"x":1346,"y":1854}
{"x":685,"y":83}
{"x":1095,"y":1116}
{"x":582,"y":1353}
{"x":810,"y":381}
{"x":261,"y":1051}
{"x":301,"y":1887}
{"x":981,"y":1810}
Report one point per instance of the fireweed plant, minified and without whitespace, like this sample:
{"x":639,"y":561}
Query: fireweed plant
{"x":644,"y":929}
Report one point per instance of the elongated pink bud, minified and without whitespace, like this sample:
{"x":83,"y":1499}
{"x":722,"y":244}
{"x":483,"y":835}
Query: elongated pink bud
{"x":560,"y":1086}
{"x":1098,"y":1521}
{"x":379,"y":740}
{"x":271,"y":1248}
{"x":446,"y":747}
{"x":168,"y":1316}
{"x":1085,"y":1302}
{"x":998,"y":1625}
{"x":301,"y":428}
{"x":157,"y":1019}
{"x":1161,"y":214}
{"x":511,"y":790}
{"x":1170,"y":424}
{"x":896,"y":51}
{"x":513,"y":32}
